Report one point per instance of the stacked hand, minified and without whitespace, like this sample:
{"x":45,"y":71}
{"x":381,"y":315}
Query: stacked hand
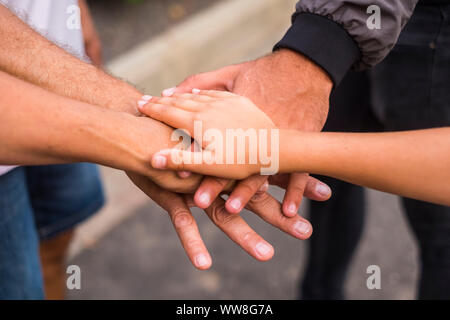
{"x":173,"y":192}
{"x":294,"y":93}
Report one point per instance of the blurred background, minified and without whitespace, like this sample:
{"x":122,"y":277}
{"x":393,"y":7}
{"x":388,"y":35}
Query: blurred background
{"x":130,"y":250}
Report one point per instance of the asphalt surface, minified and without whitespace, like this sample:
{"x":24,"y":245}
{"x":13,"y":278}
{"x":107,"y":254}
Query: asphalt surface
{"x":123,"y":24}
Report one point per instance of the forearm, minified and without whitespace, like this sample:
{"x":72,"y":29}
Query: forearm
{"x":40,"y":127}
{"x":27,"y":55}
{"x":413,"y":164}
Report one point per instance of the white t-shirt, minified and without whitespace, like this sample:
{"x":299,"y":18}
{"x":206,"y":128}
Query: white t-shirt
{"x":57,"y":20}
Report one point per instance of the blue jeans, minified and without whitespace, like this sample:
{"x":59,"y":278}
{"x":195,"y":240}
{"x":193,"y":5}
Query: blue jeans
{"x":38,"y":203}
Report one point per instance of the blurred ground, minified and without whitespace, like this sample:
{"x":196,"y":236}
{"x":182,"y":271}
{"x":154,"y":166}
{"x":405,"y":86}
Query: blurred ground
{"x":123,"y":24}
{"x":142,"y":257}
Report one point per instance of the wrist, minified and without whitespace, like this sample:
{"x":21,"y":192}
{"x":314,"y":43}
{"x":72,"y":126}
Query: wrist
{"x":307,"y":71}
{"x":298,"y":150}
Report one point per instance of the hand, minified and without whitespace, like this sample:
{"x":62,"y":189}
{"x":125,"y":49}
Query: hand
{"x":234,"y":226}
{"x":134,"y":146}
{"x":212,"y":110}
{"x":289,"y":88}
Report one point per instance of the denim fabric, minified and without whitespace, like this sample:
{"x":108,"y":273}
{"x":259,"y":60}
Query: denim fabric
{"x":37,"y":203}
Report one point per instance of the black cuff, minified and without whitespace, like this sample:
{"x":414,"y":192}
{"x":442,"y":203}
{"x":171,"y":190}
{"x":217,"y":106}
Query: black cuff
{"x":323,"y":41}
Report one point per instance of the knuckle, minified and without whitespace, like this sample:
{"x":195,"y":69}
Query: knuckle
{"x":221,"y":216}
{"x":247,"y":188}
{"x":182,"y":219}
{"x":216,"y":184}
{"x":192,"y":243}
{"x":262,"y":200}
{"x":192,"y":79}
{"x":247,"y":236}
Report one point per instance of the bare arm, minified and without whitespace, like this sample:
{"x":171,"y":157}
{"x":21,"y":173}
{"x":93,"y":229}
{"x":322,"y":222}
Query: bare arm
{"x":40,"y":127}
{"x":27,"y":55}
{"x":415,"y":164}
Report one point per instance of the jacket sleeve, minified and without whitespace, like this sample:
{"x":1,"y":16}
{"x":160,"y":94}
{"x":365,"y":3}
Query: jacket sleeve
{"x":335,"y":34}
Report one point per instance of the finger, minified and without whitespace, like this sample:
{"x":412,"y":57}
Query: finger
{"x":184,"y":174}
{"x":209,"y":190}
{"x":243,"y":192}
{"x":171,"y":116}
{"x":317,"y":190}
{"x":294,"y":193}
{"x":192,"y":97}
{"x":182,"y":219}
{"x":199,"y":162}
{"x":269,"y":209}
{"x":221,"y":79}
{"x":187,"y":102}
{"x":239,"y":231}
{"x":214,"y":93}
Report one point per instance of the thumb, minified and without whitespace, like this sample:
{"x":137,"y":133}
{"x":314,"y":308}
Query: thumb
{"x":221,"y":79}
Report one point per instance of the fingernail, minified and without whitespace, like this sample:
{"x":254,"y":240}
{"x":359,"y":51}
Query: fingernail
{"x":236,"y":204}
{"x":292,"y":208}
{"x":146,"y":98}
{"x":184,"y":174}
{"x":142,"y":103}
{"x":159,"y":162}
{"x":302,"y":228}
{"x":204,"y":198}
{"x":264,"y":187}
{"x":201,"y":260}
{"x":263,"y":249}
{"x":323,"y":189}
{"x":196,"y":91}
{"x":169,"y":92}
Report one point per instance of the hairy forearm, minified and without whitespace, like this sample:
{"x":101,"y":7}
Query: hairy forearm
{"x":40,"y":127}
{"x":27,"y":55}
{"x":413,"y":164}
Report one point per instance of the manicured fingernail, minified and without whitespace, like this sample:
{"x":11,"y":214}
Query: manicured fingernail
{"x":263,"y":249}
{"x":236,"y":204}
{"x":196,"y":91}
{"x":184,"y":174}
{"x":142,"y":103}
{"x":264,"y":187}
{"x":204,"y":198}
{"x":159,"y":162}
{"x":146,"y":98}
{"x":201,"y":260}
{"x":169,"y":92}
{"x":292,"y":208}
{"x":323,"y":189}
{"x":302,"y":228}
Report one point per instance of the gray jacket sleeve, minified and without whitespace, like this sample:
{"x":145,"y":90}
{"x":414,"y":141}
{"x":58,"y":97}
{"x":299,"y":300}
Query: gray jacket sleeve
{"x":335,"y":33}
